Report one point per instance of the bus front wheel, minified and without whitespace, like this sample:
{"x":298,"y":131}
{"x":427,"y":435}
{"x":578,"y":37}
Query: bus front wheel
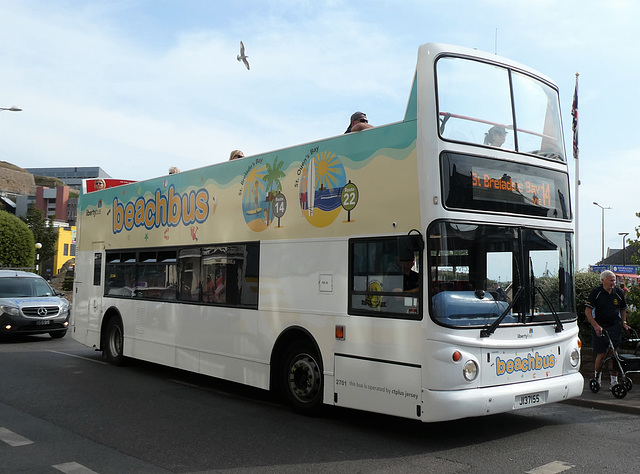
{"x":114,"y":342}
{"x":302,"y":380}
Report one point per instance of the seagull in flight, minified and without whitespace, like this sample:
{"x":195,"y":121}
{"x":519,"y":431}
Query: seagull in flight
{"x":242,"y":56}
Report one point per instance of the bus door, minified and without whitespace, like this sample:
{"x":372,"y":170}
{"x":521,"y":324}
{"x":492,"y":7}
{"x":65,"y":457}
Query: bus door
{"x":95,"y":286}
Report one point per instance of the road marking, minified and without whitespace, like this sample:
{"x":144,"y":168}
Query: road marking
{"x":552,"y":468}
{"x":13,"y":439}
{"x":79,"y":357}
{"x":74,"y":468}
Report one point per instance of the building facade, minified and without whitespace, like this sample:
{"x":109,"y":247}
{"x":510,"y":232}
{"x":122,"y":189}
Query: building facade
{"x":72,"y":176}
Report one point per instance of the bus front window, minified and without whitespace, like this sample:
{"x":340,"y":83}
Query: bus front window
{"x":538,"y":118}
{"x":473,"y":101}
{"x":479,"y":273}
{"x":549,"y":255}
{"x":490,"y":105}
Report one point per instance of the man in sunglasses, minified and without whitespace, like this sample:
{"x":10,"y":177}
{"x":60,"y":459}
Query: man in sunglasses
{"x":358,"y":122}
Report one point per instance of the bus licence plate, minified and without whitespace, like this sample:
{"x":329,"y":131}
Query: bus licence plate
{"x":43,"y":323}
{"x":529,"y":399}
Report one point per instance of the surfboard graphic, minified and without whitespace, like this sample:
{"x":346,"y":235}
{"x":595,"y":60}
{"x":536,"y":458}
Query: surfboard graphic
{"x":311,"y":186}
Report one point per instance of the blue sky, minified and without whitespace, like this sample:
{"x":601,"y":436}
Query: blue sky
{"x":136,"y":86}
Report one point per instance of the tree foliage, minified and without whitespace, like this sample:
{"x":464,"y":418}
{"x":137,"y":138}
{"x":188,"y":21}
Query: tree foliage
{"x":43,"y":232}
{"x":633,"y":295}
{"x":17,"y":245}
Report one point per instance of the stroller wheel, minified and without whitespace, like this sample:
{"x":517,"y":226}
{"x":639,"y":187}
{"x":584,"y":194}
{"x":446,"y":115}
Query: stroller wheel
{"x":594,"y":385}
{"x":619,"y":390}
{"x":628,"y":384}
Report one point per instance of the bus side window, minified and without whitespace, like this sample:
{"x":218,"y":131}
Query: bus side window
{"x":97,"y":269}
{"x":385,"y":277}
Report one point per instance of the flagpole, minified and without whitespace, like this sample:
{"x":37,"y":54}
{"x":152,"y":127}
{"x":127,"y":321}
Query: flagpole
{"x":574,"y":126}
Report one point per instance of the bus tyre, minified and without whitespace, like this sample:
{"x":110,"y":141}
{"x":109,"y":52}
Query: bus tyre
{"x":302,"y":380}
{"x":114,"y":342}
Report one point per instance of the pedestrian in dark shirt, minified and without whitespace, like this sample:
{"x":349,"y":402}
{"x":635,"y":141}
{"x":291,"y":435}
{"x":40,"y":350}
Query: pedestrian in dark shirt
{"x":606,"y":310}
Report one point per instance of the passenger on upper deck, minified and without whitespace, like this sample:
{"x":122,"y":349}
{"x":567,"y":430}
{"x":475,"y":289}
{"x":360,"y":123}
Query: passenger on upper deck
{"x":235,"y":154}
{"x":495,"y":136}
{"x":174,"y":170}
{"x":359,"y":122}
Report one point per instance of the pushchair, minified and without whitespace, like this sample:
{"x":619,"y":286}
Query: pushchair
{"x":626,"y":364}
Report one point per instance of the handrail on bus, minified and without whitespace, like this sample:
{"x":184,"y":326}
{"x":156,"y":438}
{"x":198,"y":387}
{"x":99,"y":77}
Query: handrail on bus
{"x":448,"y":115}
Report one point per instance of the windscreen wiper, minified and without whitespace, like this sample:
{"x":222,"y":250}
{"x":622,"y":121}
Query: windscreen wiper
{"x":488,"y":331}
{"x":559,"y":327}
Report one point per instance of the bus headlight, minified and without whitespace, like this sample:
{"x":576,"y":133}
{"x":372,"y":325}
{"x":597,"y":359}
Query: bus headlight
{"x":470,"y":370}
{"x":575,"y":358}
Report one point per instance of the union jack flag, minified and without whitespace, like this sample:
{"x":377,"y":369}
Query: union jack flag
{"x":574,"y":114}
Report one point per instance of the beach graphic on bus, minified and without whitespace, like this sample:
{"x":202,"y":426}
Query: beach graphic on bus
{"x":261,"y":187}
{"x":320,"y":187}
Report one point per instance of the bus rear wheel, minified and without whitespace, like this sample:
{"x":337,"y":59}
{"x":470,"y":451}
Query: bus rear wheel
{"x":302,"y":379}
{"x":114,"y":342}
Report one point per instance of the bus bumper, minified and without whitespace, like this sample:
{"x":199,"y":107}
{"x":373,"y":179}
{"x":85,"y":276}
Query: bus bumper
{"x":455,"y":404}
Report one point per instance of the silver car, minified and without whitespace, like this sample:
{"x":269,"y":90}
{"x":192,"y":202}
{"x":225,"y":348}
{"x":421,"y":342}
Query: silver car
{"x":29,"y":305}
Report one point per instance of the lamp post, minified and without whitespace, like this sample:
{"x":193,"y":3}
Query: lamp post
{"x":624,"y":235}
{"x":38,"y":247}
{"x":13,"y":108}
{"x":603,"y":209}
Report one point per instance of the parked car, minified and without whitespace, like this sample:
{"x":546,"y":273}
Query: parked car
{"x":29,"y":305}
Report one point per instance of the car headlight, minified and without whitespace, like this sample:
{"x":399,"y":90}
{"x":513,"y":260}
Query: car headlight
{"x":10,"y":310}
{"x":470,"y":370}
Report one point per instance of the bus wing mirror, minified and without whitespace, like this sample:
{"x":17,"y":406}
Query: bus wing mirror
{"x":408,"y":244}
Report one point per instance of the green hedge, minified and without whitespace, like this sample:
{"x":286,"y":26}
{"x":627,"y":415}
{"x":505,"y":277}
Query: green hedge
{"x":17,"y":245}
{"x":67,"y":284}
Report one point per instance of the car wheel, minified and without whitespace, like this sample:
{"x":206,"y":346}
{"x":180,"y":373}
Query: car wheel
{"x":302,"y":379}
{"x":114,"y":342}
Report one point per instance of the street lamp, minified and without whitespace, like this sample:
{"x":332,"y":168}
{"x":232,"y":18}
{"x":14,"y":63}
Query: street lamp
{"x":38,"y":247}
{"x":13,"y":108}
{"x":603,"y":208}
{"x":624,"y":235}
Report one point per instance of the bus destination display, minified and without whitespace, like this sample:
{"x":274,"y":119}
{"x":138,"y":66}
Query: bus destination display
{"x":491,"y":184}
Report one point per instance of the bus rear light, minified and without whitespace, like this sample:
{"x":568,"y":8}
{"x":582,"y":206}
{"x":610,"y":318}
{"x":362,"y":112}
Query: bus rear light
{"x":579,"y":344}
{"x":470,"y":371}
{"x":340,"y":332}
{"x":456,"y":356}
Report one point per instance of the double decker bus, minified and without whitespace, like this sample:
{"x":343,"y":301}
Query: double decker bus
{"x":417,"y":269}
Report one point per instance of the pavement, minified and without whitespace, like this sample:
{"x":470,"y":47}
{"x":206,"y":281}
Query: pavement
{"x":604,"y":399}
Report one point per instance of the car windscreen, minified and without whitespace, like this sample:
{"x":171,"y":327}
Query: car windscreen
{"x":24,"y":287}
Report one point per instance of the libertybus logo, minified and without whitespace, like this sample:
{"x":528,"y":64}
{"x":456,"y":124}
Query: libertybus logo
{"x":525,"y":364}
{"x":169,"y":209}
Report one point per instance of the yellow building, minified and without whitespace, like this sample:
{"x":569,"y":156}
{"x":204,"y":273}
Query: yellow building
{"x":65,"y":247}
